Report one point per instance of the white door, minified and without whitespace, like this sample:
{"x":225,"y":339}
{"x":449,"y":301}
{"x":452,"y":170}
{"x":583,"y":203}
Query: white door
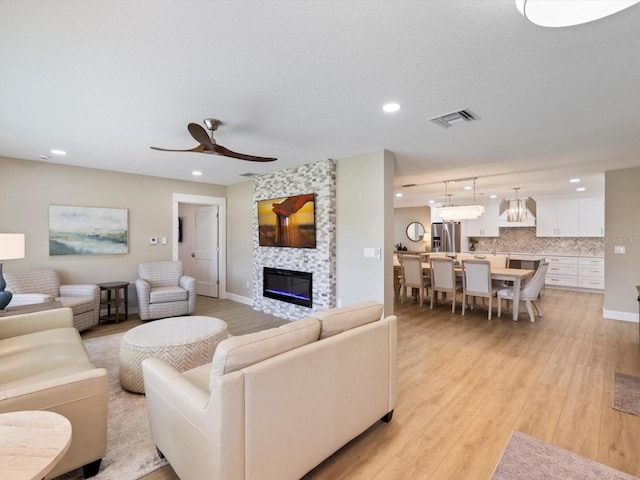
{"x":206,"y":251}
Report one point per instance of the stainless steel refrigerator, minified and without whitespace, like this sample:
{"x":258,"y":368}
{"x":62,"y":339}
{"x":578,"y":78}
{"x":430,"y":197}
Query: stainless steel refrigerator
{"x":445,"y":237}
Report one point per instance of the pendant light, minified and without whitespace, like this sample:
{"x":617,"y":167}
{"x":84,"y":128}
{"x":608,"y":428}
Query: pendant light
{"x":455,"y":213}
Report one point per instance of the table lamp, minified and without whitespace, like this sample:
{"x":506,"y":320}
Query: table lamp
{"x":11,"y":247}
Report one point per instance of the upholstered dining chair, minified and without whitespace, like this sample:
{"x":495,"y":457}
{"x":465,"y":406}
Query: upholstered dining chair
{"x":412,"y":277}
{"x":528,"y":292}
{"x":443,"y":280}
{"x":476,"y":282}
{"x":499,"y":261}
{"x":164,"y":291}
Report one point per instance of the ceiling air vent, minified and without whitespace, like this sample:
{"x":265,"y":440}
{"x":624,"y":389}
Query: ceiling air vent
{"x":454,"y":118}
{"x":249,"y":174}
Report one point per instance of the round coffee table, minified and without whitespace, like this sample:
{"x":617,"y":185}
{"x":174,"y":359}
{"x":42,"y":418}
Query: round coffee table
{"x":33,"y":442}
{"x":183,"y":342}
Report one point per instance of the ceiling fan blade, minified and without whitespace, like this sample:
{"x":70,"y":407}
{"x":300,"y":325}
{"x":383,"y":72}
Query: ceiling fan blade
{"x":220,"y":150}
{"x":199,"y":148}
{"x":201,"y":136}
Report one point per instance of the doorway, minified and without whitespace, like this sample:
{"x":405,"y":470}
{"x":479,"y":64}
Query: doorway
{"x":199,"y":241}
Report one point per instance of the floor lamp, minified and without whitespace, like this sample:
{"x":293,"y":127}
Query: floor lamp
{"x":11,"y":247}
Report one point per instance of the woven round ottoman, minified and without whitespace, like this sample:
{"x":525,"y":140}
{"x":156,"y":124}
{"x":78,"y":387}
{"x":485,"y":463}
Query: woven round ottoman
{"x":183,"y":342}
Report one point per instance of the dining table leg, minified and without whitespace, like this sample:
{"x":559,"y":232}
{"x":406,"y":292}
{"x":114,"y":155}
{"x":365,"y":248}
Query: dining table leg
{"x":516,"y":298}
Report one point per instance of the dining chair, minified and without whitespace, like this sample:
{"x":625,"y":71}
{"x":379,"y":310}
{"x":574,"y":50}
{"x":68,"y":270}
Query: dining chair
{"x":413,"y":277}
{"x":528,"y":292}
{"x":499,"y":261}
{"x":443,"y":280}
{"x":476,"y":282}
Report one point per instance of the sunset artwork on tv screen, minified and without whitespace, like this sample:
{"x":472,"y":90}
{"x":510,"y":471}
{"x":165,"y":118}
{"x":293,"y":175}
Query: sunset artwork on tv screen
{"x":287,"y":222}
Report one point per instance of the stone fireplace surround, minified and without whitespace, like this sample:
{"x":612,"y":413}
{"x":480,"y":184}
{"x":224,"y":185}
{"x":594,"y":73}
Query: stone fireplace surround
{"x":318,"y":178}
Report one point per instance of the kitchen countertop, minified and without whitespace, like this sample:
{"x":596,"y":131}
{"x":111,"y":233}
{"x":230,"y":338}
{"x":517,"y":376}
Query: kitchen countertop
{"x":533,"y":256}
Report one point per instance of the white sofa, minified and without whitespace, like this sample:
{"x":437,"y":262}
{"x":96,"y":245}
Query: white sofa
{"x":44,"y":366}
{"x":40,"y":285}
{"x":276,"y":403}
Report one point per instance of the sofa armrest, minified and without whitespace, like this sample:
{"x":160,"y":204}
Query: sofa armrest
{"x":22,"y":324}
{"x":189,"y":284}
{"x":20,"y":299}
{"x":143,"y":289}
{"x":174,"y":388}
{"x":79,"y":291}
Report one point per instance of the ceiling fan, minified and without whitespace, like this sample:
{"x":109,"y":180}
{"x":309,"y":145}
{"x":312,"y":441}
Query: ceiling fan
{"x":209,"y":145}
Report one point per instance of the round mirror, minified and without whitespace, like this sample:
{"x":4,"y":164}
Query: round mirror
{"x":415,"y":231}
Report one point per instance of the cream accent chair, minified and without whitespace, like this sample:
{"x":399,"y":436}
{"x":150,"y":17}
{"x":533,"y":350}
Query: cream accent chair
{"x":443,"y":280}
{"x":44,"y":366}
{"x":164,"y":291}
{"x":412,"y":277}
{"x":43,"y":285}
{"x":529,"y":293}
{"x":274,"y":404}
{"x":476,"y":282}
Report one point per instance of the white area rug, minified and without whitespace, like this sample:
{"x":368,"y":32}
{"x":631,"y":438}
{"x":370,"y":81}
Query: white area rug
{"x":131,"y":453}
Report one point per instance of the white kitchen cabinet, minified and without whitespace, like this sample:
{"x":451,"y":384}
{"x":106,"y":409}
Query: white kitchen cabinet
{"x":486,"y":225}
{"x":591,"y":272}
{"x":592,"y":217}
{"x":558,"y":218}
{"x":562,"y":271}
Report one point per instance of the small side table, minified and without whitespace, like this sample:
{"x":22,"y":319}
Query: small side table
{"x":116,"y":294}
{"x":33,"y":442}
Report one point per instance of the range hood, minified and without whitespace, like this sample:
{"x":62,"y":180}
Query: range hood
{"x":507,"y":207}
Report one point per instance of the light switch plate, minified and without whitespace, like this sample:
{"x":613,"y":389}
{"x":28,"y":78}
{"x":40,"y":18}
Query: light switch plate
{"x":619,"y":249}
{"x":164,"y":240}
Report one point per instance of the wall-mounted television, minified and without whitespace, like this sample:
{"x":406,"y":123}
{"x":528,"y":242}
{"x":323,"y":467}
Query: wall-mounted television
{"x":287,"y":222}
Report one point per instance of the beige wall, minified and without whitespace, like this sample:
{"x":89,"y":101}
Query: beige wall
{"x":622,"y":228}
{"x":29,"y":187}
{"x":402,"y":217}
{"x":364,"y":206}
{"x":240,"y":241}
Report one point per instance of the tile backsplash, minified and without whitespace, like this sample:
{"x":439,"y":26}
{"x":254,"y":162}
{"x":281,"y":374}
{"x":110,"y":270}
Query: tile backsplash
{"x":524,"y":240}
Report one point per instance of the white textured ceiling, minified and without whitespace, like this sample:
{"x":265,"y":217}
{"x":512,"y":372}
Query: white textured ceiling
{"x":305,"y":80}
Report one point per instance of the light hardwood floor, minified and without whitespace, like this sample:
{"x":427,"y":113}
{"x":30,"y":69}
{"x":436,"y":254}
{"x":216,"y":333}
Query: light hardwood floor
{"x":465,"y":383}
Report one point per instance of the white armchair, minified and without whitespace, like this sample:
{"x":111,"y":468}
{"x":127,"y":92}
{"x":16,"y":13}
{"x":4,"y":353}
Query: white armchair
{"x":164,"y":291}
{"x":43,"y":285}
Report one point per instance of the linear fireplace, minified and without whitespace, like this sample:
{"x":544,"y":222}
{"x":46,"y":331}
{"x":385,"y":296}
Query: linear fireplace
{"x":287,"y":286}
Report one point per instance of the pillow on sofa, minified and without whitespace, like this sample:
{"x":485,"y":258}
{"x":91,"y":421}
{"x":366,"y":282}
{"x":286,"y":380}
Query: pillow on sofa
{"x":239,"y":352}
{"x":338,"y":320}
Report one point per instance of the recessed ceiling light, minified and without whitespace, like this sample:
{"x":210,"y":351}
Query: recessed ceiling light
{"x":468,"y":187}
{"x":580,"y":189}
{"x":432,"y":201}
{"x":575,"y":180}
{"x":493,"y":196}
{"x":58,"y":152}
{"x":391,"y":107}
{"x":398,"y":194}
{"x":196,"y":173}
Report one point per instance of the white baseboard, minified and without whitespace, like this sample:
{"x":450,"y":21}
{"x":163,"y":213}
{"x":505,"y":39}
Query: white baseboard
{"x":239,"y":299}
{"x":624,"y":316}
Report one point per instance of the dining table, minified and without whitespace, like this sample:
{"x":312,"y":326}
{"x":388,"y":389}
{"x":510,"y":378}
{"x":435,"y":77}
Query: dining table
{"x":516,"y":275}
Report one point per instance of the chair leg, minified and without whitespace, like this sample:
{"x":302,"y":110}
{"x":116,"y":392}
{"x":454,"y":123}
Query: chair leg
{"x":489,"y":307}
{"x":530,"y":311}
{"x":453,"y":303}
{"x":433,"y":294}
{"x":464,"y":303}
{"x":499,"y":306}
{"x":537,"y":308}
